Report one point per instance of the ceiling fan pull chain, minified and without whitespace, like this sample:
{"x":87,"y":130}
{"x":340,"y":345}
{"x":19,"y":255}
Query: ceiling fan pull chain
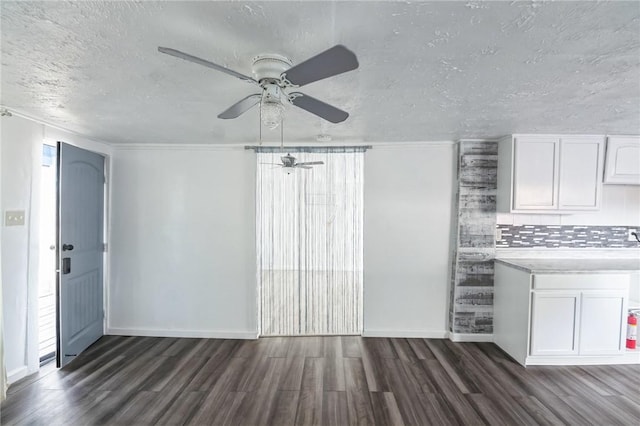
{"x":260,"y":125}
{"x":281,"y":133}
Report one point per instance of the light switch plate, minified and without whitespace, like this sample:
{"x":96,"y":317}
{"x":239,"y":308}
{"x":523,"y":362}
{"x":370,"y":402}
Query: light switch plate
{"x":14,"y":218}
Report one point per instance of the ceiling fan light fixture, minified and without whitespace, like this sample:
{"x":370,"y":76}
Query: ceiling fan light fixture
{"x":271,"y":113}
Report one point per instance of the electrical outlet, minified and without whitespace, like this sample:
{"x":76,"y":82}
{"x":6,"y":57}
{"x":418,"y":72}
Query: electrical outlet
{"x":14,"y":218}
{"x":498,"y":234}
{"x":630,"y":236}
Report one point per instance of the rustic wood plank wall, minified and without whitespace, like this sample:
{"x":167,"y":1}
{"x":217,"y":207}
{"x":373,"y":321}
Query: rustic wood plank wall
{"x":471,"y":305}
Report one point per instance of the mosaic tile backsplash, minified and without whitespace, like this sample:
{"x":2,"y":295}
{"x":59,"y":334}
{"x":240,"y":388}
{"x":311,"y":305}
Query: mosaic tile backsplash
{"x":565,"y":236}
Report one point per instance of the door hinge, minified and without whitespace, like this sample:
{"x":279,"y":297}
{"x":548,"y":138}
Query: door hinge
{"x":104,"y":178}
{"x":104,"y":247}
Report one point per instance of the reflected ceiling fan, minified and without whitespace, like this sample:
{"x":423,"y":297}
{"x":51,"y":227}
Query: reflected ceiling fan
{"x":275,"y":75}
{"x":289,"y":163}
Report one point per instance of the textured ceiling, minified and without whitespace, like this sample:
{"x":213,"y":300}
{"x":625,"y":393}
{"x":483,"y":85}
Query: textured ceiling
{"x":428,"y":70}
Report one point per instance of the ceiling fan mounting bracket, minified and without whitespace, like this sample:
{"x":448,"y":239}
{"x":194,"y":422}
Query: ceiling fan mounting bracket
{"x":270,"y":67}
{"x":292,"y":96}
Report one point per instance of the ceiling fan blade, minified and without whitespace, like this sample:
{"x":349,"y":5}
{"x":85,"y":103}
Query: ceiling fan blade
{"x":191,"y":58}
{"x":331,"y":62}
{"x":240,"y":107}
{"x":319,"y":108}
{"x":311,"y":163}
{"x":302,"y":167}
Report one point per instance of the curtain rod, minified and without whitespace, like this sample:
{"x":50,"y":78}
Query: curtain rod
{"x":285,"y":148}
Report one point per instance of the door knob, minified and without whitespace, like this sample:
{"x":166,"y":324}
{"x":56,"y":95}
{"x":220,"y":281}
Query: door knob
{"x":52,"y":247}
{"x":67,"y":247}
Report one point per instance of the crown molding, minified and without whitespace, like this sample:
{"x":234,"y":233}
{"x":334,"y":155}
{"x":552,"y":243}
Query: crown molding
{"x":235,"y":147}
{"x":176,"y":147}
{"x":21,"y":114}
{"x":410,"y":144}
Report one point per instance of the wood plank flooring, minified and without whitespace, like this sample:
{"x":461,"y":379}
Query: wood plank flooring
{"x":317,"y":381}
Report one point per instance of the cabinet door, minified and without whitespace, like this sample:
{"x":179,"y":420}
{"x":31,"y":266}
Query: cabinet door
{"x":602,"y":322}
{"x":535,"y":181}
{"x":623,"y":160}
{"x":554,"y":326}
{"x":581,"y":160}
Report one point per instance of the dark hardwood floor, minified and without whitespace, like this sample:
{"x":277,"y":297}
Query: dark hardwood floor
{"x":317,"y":380}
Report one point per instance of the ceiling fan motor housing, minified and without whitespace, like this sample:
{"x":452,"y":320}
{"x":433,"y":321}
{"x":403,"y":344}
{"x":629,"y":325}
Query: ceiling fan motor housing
{"x":270,"y":66}
{"x":267,"y":69}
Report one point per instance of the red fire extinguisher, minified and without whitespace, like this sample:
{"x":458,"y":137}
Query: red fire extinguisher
{"x":632,"y":331}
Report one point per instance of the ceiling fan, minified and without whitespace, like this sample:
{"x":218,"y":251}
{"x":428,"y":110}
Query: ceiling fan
{"x":289,"y":163}
{"x":275,"y":75}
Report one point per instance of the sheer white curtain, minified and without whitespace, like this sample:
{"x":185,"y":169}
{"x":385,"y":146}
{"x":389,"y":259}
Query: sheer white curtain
{"x":3,"y":370}
{"x":309,"y":242}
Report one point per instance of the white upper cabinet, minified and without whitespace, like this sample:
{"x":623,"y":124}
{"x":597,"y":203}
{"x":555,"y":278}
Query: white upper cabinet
{"x":581,"y":160}
{"x":623,"y":160}
{"x":549,"y":173}
{"x":535,"y":179}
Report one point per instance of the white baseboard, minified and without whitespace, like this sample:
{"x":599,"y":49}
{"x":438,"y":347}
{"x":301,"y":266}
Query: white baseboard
{"x":626,"y":358}
{"x":469,"y":337}
{"x":16,"y":374}
{"x":420,"y":334}
{"x":183,"y":333}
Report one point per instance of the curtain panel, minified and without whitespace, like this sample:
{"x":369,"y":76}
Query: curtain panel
{"x":309,"y":242}
{"x":3,"y":369}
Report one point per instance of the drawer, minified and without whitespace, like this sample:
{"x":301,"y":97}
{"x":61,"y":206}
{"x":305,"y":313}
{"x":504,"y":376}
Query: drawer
{"x":581,"y":281}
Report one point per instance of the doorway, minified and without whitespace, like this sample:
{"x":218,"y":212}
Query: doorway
{"x":47,"y":256}
{"x":71,"y":252}
{"x":80,"y":240}
{"x":309,"y":241}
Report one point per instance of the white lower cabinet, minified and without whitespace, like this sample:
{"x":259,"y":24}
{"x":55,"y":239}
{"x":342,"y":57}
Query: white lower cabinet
{"x":554,"y":322}
{"x":561,"y":319}
{"x":602,"y":322}
{"x":577,"y":322}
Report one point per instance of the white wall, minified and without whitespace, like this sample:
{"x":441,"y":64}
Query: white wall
{"x":408,"y":208}
{"x":3,"y":370}
{"x":182,"y":249}
{"x":620,"y":206}
{"x":18,"y":142}
{"x":183,"y":241}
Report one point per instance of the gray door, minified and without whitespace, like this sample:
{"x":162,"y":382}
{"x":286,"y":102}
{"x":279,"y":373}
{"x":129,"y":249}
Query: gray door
{"x":80,"y":250}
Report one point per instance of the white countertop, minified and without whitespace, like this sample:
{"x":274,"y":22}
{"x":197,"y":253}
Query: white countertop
{"x":573,"y":266}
